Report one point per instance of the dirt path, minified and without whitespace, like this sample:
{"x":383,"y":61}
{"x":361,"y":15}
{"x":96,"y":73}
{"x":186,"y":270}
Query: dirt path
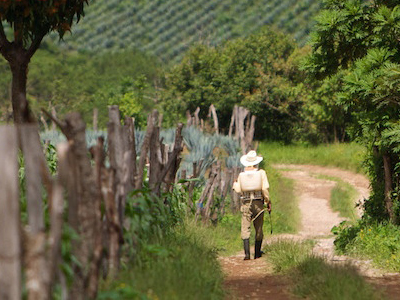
{"x":254,"y":279}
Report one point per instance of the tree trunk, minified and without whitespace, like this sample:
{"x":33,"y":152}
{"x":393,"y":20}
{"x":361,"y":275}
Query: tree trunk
{"x":388,"y":187}
{"x":19,"y":69}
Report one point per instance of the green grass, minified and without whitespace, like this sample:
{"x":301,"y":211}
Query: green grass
{"x":315,"y":279}
{"x":342,"y":198}
{"x":223,"y":238}
{"x":285,"y":211}
{"x":345,"y":156}
{"x":284,"y":255}
{"x":181,"y":265}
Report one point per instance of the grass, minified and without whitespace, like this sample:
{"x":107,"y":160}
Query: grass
{"x":313,"y":277}
{"x":342,"y":198}
{"x":223,"y":238}
{"x":316,"y":279}
{"x":346,"y":156}
{"x":182,"y":265}
{"x":285,"y":211}
{"x":284,"y":255}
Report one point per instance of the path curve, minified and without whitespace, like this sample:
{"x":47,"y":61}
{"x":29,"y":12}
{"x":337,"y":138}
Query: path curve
{"x":254,"y":279}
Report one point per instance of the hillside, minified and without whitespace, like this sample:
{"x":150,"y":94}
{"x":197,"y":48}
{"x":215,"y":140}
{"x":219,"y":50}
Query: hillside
{"x":166,"y":28}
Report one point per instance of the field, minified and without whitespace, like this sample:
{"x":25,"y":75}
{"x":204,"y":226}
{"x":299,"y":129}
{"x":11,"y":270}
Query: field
{"x":167,"y":28}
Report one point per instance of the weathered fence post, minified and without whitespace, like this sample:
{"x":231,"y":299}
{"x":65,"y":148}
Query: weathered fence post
{"x":212,"y":112}
{"x":145,"y":148}
{"x":37,"y":275}
{"x":84,"y":206}
{"x":10,"y":241}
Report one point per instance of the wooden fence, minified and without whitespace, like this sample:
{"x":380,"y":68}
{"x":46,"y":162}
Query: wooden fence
{"x":93,"y":189}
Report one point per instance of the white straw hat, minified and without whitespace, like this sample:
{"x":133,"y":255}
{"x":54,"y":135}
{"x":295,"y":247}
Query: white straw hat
{"x":250,"y":159}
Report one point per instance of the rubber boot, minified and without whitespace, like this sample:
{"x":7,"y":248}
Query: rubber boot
{"x":257,"y":249}
{"x":246,"y":246}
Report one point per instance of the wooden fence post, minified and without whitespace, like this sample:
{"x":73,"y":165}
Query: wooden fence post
{"x":212,"y":112}
{"x":145,"y":148}
{"x":37,"y":273}
{"x":84,"y":205}
{"x":10,"y":241}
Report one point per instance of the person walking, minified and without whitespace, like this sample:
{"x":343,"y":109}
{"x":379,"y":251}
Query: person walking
{"x":253,"y":187}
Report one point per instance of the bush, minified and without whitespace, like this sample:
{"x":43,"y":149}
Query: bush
{"x":370,"y":240}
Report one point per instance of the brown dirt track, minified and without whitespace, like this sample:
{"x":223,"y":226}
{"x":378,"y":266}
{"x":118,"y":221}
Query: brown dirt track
{"x":254,"y":279}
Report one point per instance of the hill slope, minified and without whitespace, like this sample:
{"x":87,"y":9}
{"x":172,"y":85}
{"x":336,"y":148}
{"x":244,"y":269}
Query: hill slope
{"x":166,"y":28}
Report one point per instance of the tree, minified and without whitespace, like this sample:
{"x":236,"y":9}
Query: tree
{"x":256,"y":72}
{"x":361,"y":37}
{"x":30,"y":21}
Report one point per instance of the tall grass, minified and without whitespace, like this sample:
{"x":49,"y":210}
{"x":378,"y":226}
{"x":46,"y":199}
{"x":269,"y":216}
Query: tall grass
{"x":313,"y":277}
{"x":284,"y":255}
{"x":345,"y":156}
{"x":180,"y":265}
{"x":316,"y":279}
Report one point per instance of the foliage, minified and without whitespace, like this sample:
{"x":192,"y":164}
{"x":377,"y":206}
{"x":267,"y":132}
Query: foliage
{"x":368,"y":239}
{"x":361,"y":39}
{"x":167,"y":28}
{"x":326,"y":119}
{"x":317,"y":279}
{"x":130,"y":99}
{"x":33,"y":19}
{"x":256,"y":72}
{"x":80,"y":82}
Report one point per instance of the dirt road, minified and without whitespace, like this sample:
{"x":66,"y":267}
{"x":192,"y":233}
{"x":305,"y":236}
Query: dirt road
{"x":254,"y":279}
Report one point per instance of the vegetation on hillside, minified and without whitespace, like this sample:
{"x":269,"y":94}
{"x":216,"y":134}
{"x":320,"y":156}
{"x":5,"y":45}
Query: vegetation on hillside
{"x":70,"y":81}
{"x":167,"y":28}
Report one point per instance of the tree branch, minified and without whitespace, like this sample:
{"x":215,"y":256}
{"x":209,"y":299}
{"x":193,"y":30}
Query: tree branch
{"x":36,"y":43}
{"x":4,"y":43}
{"x":59,"y":123}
